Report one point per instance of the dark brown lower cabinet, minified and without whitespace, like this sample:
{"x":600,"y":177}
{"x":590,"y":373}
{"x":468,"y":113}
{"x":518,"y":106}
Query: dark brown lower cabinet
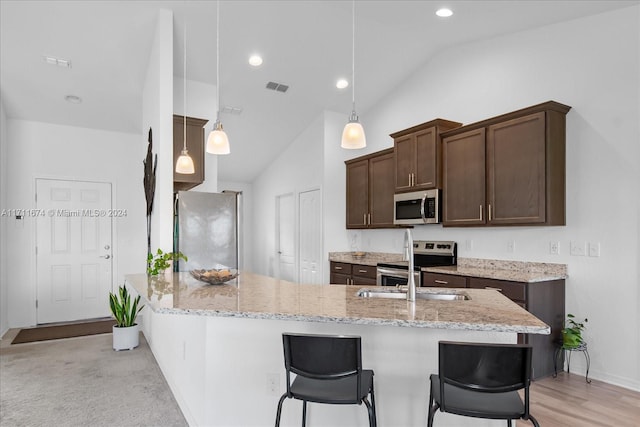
{"x":437,"y":280}
{"x":546,"y":301}
{"x":343,"y":273}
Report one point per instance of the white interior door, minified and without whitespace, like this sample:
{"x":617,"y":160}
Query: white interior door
{"x":310,"y":237}
{"x":74,"y":250}
{"x":285,"y":244}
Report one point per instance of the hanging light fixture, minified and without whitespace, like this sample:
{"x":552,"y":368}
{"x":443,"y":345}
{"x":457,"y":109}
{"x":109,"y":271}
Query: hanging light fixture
{"x":218,"y":142}
{"x":184,"y":164}
{"x":353,"y":134}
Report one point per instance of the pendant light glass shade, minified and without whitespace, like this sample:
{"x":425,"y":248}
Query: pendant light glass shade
{"x":218,"y":142}
{"x":353,"y":134}
{"x":184,"y":164}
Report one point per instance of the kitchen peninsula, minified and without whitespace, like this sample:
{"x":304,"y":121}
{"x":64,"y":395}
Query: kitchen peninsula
{"x":220,"y":347}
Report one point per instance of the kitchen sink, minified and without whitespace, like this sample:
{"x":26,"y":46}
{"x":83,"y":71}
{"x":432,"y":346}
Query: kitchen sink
{"x":420,"y":294}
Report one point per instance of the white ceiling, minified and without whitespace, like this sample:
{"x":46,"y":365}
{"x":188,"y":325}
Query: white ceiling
{"x":305,"y":44}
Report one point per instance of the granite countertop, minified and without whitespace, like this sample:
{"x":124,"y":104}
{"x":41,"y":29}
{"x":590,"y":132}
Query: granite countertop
{"x":261,"y":297}
{"x":516,"y":271}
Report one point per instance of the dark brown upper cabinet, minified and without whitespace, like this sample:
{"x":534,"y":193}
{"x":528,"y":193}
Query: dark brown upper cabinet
{"x":370,"y":189}
{"x":195,"y":146}
{"x":507,"y":170}
{"x":418,"y":151}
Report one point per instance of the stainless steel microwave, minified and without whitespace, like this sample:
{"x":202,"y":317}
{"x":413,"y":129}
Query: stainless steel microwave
{"x":417,"y":207}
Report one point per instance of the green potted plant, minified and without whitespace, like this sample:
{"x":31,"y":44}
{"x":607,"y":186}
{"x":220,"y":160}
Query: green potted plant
{"x":572,"y":332}
{"x":125,"y":332}
{"x":160,"y":261}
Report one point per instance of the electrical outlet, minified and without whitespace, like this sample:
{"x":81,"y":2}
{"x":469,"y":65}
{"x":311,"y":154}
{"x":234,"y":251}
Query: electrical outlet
{"x":511,"y":246}
{"x":554,"y":248}
{"x":469,"y":245}
{"x":578,"y":248}
{"x":273,"y":384}
{"x":594,"y":249}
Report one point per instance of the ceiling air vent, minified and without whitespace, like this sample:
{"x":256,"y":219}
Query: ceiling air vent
{"x":277,"y":87}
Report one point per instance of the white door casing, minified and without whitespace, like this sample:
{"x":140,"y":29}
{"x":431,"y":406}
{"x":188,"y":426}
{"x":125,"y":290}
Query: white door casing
{"x":73,"y":250}
{"x":310,"y":237}
{"x":285,"y":244}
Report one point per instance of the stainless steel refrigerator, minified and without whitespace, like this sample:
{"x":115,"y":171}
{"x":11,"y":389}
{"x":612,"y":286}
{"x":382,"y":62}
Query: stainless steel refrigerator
{"x":207,"y":229}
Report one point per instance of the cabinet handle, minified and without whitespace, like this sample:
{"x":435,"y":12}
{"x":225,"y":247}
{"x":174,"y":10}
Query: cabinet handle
{"x":337,"y":268}
{"x":413,"y":179}
{"x":364,"y":219}
{"x":362,"y":271}
{"x":350,"y":282}
{"x":368,"y":219}
{"x":442,"y":282}
{"x":489,"y":211}
{"x":428,"y":183}
{"x":480,"y":212}
{"x":491,"y":288}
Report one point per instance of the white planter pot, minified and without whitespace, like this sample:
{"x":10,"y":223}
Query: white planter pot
{"x":126,"y":338}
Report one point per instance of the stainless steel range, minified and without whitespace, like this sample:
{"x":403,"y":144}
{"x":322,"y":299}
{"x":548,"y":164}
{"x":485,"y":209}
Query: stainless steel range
{"x":426,"y":253}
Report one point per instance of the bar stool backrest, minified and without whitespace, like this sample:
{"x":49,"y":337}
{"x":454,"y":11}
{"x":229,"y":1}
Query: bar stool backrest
{"x":490,"y":368}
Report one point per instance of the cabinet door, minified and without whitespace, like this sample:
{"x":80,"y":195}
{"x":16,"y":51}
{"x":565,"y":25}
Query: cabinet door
{"x":426,"y":169}
{"x":516,"y":171}
{"x":464,"y":178}
{"x":357,"y":194}
{"x":381,"y":190}
{"x":195,"y":146}
{"x":340,"y":279}
{"x":405,"y":160}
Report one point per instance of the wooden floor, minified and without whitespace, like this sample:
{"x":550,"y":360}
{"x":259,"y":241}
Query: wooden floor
{"x":569,"y":401}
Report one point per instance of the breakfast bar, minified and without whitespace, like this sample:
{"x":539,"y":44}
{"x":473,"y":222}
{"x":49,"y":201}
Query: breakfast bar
{"x":220,"y":346}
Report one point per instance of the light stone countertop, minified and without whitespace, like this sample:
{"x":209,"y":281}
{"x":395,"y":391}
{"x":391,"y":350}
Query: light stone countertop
{"x":369,"y":258}
{"x":261,"y":297}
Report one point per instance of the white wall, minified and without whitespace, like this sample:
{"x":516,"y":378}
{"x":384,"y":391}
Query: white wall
{"x":4,"y":319}
{"x":298,"y":168}
{"x":246,"y":222}
{"x":572,"y":63}
{"x":157,"y":114}
{"x":202,"y":104}
{"x":41,"y":150}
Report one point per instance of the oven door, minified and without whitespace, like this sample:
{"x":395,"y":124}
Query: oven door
{"x":395,"y":277}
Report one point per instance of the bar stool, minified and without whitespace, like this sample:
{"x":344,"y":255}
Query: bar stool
{"x":329,"y":370}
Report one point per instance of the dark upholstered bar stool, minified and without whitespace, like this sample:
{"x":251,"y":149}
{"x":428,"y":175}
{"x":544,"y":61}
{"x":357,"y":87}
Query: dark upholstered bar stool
{"x":482,"y":381}
{"x":329,"y":370}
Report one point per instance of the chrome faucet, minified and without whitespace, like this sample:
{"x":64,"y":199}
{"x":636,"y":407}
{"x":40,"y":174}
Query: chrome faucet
{"x":411,"y":282}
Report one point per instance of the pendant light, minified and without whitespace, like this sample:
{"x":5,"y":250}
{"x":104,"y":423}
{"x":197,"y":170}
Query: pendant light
{"x":218,"y":142}
{"x":353,"y":134}
{"x":184,"y":164}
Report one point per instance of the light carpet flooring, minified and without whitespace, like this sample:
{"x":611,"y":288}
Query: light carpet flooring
{"x":83,"y":382}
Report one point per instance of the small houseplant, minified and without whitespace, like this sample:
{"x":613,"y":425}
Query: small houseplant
{"x":125,"y":311}
{"x":572,"y":332}
{"x":160,"y":261}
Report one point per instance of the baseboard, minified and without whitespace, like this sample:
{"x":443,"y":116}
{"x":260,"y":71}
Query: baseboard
{"x":629,"y":383}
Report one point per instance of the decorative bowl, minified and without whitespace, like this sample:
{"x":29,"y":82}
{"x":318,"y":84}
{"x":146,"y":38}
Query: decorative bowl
{"x":216,"y":276}
{"x":358,"y":254}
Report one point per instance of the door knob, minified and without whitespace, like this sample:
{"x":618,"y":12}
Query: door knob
{"x":106,"y":256}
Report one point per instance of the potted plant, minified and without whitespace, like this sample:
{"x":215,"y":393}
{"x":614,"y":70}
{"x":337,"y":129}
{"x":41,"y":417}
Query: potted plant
{"x":125,"y":332}
{"x":160,"y":261}
{"x":572,"y":332}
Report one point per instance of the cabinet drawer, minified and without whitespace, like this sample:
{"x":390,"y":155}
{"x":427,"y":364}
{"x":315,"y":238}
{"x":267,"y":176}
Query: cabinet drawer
{"x":356,"y":280}
{"x":341,"y":267}
{"x":364,"y":270}
{"x":515,"y":291}
{"x":443,"y":280}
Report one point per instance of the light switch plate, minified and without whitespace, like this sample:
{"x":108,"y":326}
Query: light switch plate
{"x":594,"y":249}
{"x":554,"y":248}
{"x":578,"y":248}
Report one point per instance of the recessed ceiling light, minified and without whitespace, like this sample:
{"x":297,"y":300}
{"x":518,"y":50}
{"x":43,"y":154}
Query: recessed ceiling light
{"x":255,"y":60}
{"x":73,"y":99}
{"x":444,"y":12}
{"x":342,"y":83}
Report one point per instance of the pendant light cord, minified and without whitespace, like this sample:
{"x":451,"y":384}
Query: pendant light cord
{"x":185,"y":89}
{"x":353,"y":55}
{"x":218,"y":58}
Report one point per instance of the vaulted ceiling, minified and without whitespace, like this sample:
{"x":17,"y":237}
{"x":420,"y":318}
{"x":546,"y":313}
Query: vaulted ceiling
{"x":305,"y":45}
